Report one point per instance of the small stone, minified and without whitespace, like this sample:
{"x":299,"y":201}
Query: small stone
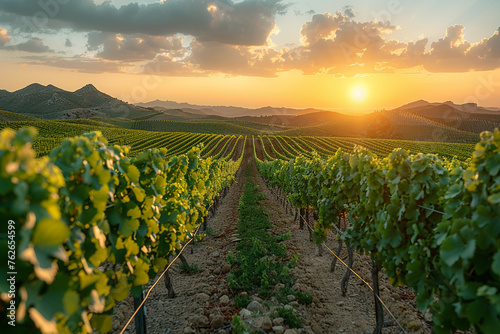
{"x":278,"y":322}
{"x":316,"y":328}
{"x":189,"y":330}
{"x":415,"y":326}
{"x":245,"y":314}
{"x":224,"y":299}
{"x":341,"y":330}
{"x":428,"y":316}
{"x":291,"y":331}
{"x":217,"y":321}
{"x":308,"y":330}
{"x":278,"y":329}
{"x":244,"y":294}
{"x":215,"y":254}
{"x":288,"y":307}
{"x":340,"y":304}
{"x":290,"y":298}
{"x":202,"y":297}
{"x":279,"y":286}
{"x":200,"y":321}
{"x":256,"y":298}
{"x":221,"y":331}
{"x":255,"y":306}
{"x":263,"y":323}
{"x":315,"y":300}
{"x":226,"y":268}
{"x":299,"y":287}
{"x":396,"y":296}
{"x":295,"y":304}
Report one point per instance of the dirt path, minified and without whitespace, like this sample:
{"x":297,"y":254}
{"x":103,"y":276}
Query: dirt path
{"x":204,"y":301}
{"x":330,"y":311}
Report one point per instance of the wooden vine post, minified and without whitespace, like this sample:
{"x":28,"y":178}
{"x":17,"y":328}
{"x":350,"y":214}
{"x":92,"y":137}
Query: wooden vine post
{"x":140,"y":317}
{"x":379,"y":311}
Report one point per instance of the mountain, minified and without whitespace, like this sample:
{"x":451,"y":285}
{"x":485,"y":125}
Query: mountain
{"x":225,"y":111}
{"x":466,"y":108}
{"x":51,"y":102}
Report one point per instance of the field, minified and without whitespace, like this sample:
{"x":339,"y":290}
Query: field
{"x":99,"y":208}
{"x":141,"y":135}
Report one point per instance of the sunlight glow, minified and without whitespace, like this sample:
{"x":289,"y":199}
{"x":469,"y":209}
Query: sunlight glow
{"x":358,"y":94}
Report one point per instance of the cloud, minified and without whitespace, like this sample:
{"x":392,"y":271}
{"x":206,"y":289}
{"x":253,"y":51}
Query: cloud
{"x":454,"y":54}
{"x":233,"y":60}
{"x":68,"y":43}
{"x":337,"y":44}
{"x":165,"y":65}
{"x":232,"y":37}
{"x":349,"y":12}
{"x":4,"y":37}
{"x":81,"y":64}
{"x":322,"y":26}
{"x":33,"y":45}
{"x":247,"y":22}
{"x":334,"y":43}
{"x":132,"y":47}
{"x":208,"y":58}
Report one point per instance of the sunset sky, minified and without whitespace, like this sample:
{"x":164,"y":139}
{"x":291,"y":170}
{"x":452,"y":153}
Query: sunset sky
{"x":352,"y":55}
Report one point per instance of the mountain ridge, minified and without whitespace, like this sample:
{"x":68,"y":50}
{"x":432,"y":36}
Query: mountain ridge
{"x":51,"y":102}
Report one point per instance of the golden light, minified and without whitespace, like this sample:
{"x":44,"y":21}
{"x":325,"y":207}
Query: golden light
{"x":212,"y":8}
{"x":358,"y":93}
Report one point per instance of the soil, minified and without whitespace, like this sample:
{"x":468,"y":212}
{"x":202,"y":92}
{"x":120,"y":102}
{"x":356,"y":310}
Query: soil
{"x":239,"y":149}
{"x":268,"y":148}
{"x":229,"y":147}
{"x":198,"y":296}
{"x":221,"y":145}
{"x":258,"y":150}
{"x":276,"y":145}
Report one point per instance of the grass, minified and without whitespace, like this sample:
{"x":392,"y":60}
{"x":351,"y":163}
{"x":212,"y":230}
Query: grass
{"x":262,"y":261}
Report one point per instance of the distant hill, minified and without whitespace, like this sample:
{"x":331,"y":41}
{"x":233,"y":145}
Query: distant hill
{"x":420,"y":120}
{"x":467,"y":108}
{"x":467,"y":117}
{"x":50,"y":102}
{"x":225,"y":111}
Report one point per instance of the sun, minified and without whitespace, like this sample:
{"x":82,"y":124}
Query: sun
{"x":358,"y":94}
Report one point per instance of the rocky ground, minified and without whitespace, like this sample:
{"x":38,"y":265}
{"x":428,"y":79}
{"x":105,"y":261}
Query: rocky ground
{"x":205,"y":304}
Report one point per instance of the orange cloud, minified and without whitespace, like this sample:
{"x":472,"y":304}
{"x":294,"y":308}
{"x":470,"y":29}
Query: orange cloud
{"x":4,"y":37}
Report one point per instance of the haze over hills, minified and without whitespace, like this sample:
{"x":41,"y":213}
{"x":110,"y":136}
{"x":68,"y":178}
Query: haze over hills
{"x":226,"y":111}
{"x":419,"y":120}
{"x":51,"y":102}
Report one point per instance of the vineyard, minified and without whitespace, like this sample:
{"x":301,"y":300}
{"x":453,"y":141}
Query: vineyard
{"x":141,"y":135}
{"x":87,"y":205}
{"x":431,"y":223}
{"x":100,"y":208}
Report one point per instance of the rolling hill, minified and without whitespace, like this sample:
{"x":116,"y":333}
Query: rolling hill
{"x":51,"y":102}
{"x":225,"y":111}
{"x":419,"y":120}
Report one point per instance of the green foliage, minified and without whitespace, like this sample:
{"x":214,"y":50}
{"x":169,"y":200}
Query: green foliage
{"x":260,"y":262}
{"x":302,"y":298}
{"x":239,"y":326}
{"x":284,"y":236}
{"x":430,"y":222}
{"x":188,"y":269}
{"x":241,"y":301}
{"x":91,"y":204}
{"x":290,"y":319}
